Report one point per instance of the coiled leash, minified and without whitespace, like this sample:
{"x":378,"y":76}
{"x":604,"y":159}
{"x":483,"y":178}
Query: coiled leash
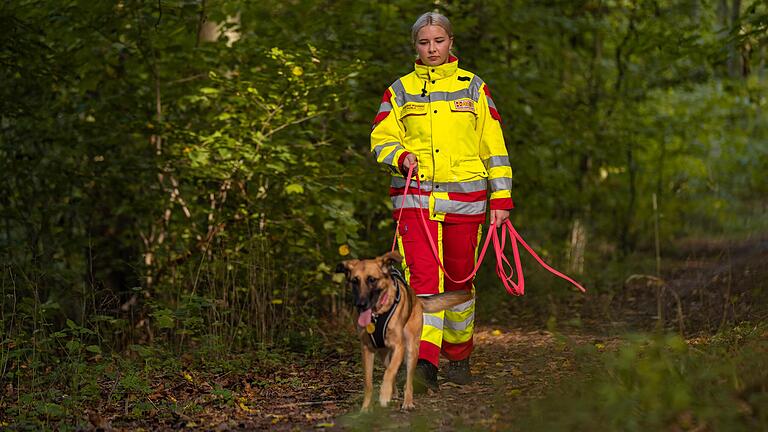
{"x":502,"y":263}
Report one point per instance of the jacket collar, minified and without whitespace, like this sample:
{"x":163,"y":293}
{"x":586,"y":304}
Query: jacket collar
{"x":445,"y":70}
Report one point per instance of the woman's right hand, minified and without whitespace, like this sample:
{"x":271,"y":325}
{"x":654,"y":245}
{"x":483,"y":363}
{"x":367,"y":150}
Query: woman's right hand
{"x":410,"y":160}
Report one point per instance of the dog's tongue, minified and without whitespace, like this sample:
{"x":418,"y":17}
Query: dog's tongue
{"x":365,"y":318}
{"x":383,"y":299}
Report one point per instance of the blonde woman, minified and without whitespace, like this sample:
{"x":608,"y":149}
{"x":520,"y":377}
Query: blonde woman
{"x":441,"y":120}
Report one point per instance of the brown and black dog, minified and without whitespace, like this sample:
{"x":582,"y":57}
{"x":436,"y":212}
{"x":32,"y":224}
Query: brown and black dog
{"x":376,"y":291}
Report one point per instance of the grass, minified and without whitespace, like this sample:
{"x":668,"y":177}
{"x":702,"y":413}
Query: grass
{"x":661,"y":382}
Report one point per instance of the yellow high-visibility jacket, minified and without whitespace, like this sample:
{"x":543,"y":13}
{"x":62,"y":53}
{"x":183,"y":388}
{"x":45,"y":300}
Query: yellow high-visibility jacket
{"x":445,"y":116}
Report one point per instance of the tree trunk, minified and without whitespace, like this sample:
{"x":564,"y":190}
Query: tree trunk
{"x":660,"y":167}
{"x":578,"y":245}
{"x":625,"y":240}
{"x":578,"y":240}
{"x":735,"y":61}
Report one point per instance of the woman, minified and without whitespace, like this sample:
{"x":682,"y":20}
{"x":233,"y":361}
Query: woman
{"x":441,"y":120}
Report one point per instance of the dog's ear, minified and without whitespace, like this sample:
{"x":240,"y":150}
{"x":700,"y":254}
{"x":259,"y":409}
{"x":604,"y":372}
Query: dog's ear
{"x":344,"y":266}
{"x":391,"y":258}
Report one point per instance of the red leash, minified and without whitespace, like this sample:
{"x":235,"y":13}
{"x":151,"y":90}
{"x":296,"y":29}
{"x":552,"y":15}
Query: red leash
{"x":502,"y":263}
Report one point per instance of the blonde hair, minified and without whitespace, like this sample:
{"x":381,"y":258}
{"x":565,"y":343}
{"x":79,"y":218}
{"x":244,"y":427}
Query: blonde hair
{"x":431,"y":18}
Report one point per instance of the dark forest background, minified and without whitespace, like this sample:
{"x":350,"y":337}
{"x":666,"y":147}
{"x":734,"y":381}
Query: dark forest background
{"x":182,"y":176}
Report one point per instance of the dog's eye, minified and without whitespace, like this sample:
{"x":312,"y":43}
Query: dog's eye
{"x":371,"y":280}
{"x":355,"y":280}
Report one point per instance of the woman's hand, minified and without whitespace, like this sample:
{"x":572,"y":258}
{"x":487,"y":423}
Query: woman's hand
{"x":499,"y":217}
{"x":409,"y":160}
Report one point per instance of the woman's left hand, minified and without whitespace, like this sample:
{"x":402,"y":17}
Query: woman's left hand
{"x":499,"y":217}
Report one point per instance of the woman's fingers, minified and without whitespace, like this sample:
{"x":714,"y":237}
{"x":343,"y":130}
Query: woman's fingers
{"x":498,"y":217}
{"x":411,"y":160}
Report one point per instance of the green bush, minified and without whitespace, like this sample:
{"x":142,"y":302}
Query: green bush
{"x":660,"y":382}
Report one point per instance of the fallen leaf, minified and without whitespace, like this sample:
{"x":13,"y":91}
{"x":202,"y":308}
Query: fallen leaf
{"x":241,"y":404}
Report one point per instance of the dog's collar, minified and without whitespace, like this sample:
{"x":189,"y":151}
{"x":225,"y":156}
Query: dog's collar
{"x":381,"y":321}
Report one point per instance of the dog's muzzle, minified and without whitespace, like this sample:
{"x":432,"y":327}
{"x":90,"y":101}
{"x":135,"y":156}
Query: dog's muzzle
{"x":367,"y":302}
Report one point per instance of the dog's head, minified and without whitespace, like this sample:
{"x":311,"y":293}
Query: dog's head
{"x":372,"y":287}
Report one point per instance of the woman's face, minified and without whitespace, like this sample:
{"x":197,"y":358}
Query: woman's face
{"x":433,"y":45}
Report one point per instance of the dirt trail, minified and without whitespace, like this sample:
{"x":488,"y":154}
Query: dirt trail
{"x":706,"y":285}
{"x":510,"y":367}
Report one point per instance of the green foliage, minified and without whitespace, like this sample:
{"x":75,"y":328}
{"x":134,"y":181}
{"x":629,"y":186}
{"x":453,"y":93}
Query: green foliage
{"x":661,"y":383}
{"x":167,"y":187}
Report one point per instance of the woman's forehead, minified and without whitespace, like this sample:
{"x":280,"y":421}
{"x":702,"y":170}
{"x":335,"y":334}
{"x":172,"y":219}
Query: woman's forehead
{"x":431,"y":31}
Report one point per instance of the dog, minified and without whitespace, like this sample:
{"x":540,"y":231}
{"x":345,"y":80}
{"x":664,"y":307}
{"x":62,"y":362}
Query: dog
{"x":389,"y":321}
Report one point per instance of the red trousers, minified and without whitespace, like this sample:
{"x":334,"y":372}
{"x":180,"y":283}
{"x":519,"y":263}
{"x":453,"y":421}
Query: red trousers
{"x":449,"y":332}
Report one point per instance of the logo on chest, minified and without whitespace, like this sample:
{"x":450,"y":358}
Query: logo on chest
{"x":463,"y":105}
{"x":412,"y":108}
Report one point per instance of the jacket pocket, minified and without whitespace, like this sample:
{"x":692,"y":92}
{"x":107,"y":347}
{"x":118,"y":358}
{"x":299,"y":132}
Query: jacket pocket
{"x":413,"y":109}
{"x":468,"y":167}
{"x":463,"y":105}
{"x":463,"y":115}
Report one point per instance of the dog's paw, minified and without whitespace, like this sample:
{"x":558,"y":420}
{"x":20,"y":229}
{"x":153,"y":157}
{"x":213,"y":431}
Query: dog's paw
{"x":407,"y":406}
{"x":366,"y":409}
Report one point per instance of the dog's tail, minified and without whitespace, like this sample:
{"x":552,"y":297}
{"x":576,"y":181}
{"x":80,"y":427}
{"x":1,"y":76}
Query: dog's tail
{"x":443,"y":301}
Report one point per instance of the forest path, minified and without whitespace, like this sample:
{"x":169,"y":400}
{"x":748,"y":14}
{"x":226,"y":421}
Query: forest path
{"x":709,"y":284}
{"x":510,"y":367}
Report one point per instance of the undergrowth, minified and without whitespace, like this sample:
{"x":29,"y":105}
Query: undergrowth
{"x":662,"y":382}
{"x":74,"y":386}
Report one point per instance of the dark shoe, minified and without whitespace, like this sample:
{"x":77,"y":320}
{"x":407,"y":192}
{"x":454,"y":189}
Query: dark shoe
{"x":424,"y":377}
{"x":458,"y":372}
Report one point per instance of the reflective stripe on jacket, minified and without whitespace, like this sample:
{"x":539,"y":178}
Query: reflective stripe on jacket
{"x":446,"y":117}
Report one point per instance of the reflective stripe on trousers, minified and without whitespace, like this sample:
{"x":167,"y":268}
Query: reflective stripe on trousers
{"x":449,"y":332}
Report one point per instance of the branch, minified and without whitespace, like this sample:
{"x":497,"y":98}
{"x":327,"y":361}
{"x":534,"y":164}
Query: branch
{"x":187,"y":79}
{"x":301,"y":120}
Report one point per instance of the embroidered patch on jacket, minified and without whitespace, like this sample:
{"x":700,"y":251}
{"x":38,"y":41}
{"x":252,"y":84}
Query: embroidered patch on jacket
{"x":412,"y":108}
{"x":463,"y":105}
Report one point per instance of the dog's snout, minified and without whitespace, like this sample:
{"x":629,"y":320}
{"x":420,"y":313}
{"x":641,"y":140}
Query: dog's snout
{"x":361,"y":302}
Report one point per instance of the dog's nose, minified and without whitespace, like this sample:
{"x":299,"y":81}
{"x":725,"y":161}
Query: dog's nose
{"x":362,"y":304}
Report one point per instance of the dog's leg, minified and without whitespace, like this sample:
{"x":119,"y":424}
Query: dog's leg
{"x":386,"y":359}
{"x":412,"y":356}
{"x":368,"y":372}
{"x":388,"y":383}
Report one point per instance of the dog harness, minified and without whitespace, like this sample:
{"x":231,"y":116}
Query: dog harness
{"x":381,"y":321}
